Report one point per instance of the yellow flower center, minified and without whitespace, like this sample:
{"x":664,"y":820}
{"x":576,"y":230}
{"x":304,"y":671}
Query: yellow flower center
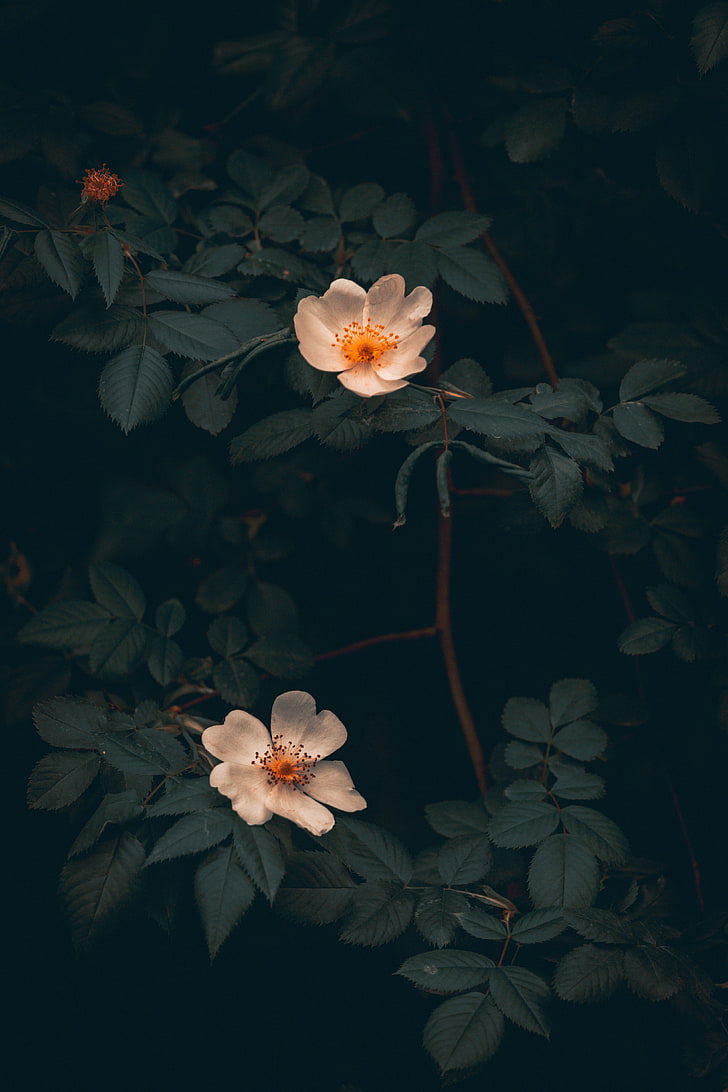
{"x":286,"y":763}
{"x":364,"y":344}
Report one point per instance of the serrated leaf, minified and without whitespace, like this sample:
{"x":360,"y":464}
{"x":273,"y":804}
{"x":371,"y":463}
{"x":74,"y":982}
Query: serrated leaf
{"x":452,"y":229}
{"x":146,"y":193}
{"x":227,"y":635}
{"x":320,"y":234}
{"x":438,"y":914}
{"x":479,"y":923}
{"x":528,"y":719}
{"x":651,"y":972}
{"x":589,"y":973}
{"x":465,"y":859}
{"x":187,"y":287}
{"x":377,"y":913}
{"x":555,"y":484}
{"x":535,"y":130}
{"x":223,"y":893}
{"x":99,"y":331}
{"x":116,"y":807}
{"x":452,"y":818}
{"x":646,"y":635}
{"x":523,"y":823}
{"x":281,"y":223}
{"x":165,"y":659}
{"x":585,"y":448}
{"x":463,"y":1031}
{"x":250,"y":172}
{"x":447,"y":971}
{"x":473,"y":274}
{"x":647,"y":375}
{"x":117,"y":590}
{"x":373,"y":259}
{"x":282,"y":655}
{"x":244,"y":318}
{"x":522,"y":756}
{"x":135,"y":387}
{"x":637,"y":423}
{"x":415,"y":262}
{"x":394,"y":215}
{"x":605,"y":926}
{"x":577,"y":784}
{"x":318,"y":889}
{"x":261,"y":856}
{"x":70,"y":624}
{"x":108,"y":259}
{"x":118,"y":648}
{"x":195,"y":336}
{"x":59,"y":779}
{"x":61,"y":259}
{"x":563,"y":873}
{"x":360,"y":201}
{"x":20,"y":214}
{"x":169,"y":617}
{"x":272,"y":436}
{"x":214,"y":261}
{"x":537,"y":926}
{"x":678,"y":560}
{"x":495,"y":418}
{"x":184,"y":795}
{"x":526,"y":788}
{"x":95,"y":887}
{"x":683,"y":407}
{"x":192,"y":834}
{"x":270,"y":609}
{"x":369,"y":850}
{"x":521,"y":996}
{"x":286,"y":186}
{"x":131,"y":754}
{"x":710,"y":36}
{"x":581,"y":739}
{"x":571,"y":699}
{"x":204,"y":406}
{"x":237,"y":682}
{"x":69,"y":722}
{"x":222,"y":589}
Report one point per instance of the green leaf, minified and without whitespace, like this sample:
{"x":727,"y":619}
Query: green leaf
{"x":525,"y":788}
{"x":132,"y":754}
{"x":360,"y":201}
{"x":260,"y":855}
{"x":672,"y":603}
{"x":373,"y":259}
{"x":521,"y":996}
{"x":187,"y":287}
{"x":563,"y":873}
{"x":710,"y":36}
{"x":169,"y":617}
{"x":463,"y":1031}
{"x":236,"y":682}
{"x":97,"y":886}
{"x":192,"y":834}
{"x":317,"y":197}
{"x":223,"y":893}
{"x":317,"y":890}
{"x":683,"y":407}
{"x":116,"y":807}
{"x":646,"y":635}
{"x":465,"y":859}
{"x":451,"y":818}
{"x":222,"y":589}
{"x":251,"y":173}
{"x":527,"y":718}
{"x":535,"y":130}
{"x":497,"y":419}
{"x":678,"y":560}
{"x":369,"y":850}
{"x":452,"y":229}
{"x":119,"y":648}
{"x":69,"y":722}
{"x":581,"y":739}
{"x":415,"y":262}
{"x":523,"y":823}
{"x":281,"y":223}
{"x":571,"y":699}
{"x":522,"y":756}
{"x":117,"y":590}
{"x":574,"y":783}
{"x":438,"y":914}
{"x":537,"y":926}
{"x":282,"y":655}
{"x":599,"y":834}
{"x":20,"y":214}
{"x":605,"y":926}
{"x":479,"y":923}
{"x":108,"y":259}
{"x":320,"y":235}
{"x":135,"y":387}
{"x":647,"y":375}
{"x":227,"y":635}
{"x":165,"y":659}
{"x":394,"y":216}
{"x":404,"y":476}
{"x":146,"y":193}
{"x":584,"y":447}
{"x":589,"y":973}
{"x":555,"y":485}
{"x":59,"y":779}
{"x":653,"y":973}
{"x":195,"y":336}
{"x":272,"y":436}
{"x":638,"y":424}
{"x":69,"y":624}
{"x":214,"y":261}
{"x":99,"y":331}
{"x":184,"y":795}
{"x":473,"y":274}
{"x":286,"y":186}
{"x":246,"y":319}
{"x":377,"y":913}
{"x":61,"y":259}
{"x":447,"y":971}
{"x":202,"y":403}
{"x":270,"y":609}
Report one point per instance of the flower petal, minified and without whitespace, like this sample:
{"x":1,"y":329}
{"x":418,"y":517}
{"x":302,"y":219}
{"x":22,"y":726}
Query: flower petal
{"x":237,"y":739}
{"x":342,"y":303}
{"x":315,"y":343}
{"x":405,"y":359}
{"x":247,"y":788}
{"x":331,"y":784}
{"x":399,"y":314}
{"x":300,"y":809}
{"x":294,"y":716}
{"x":363,"y":380}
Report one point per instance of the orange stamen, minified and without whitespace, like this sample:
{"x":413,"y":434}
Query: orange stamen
{"x":286,"y":763}
{"x":99,"y":184}
{"x":364,"y":344}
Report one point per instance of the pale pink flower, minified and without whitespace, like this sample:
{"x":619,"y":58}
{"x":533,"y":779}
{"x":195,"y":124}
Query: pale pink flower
{"x":280,"y":772}
{"x":372,"y":339}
